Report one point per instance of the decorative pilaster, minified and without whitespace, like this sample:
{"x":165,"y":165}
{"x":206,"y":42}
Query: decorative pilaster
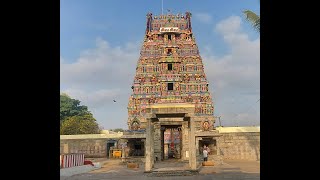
{"x":149,"y":139}
{"x":192,"y":146}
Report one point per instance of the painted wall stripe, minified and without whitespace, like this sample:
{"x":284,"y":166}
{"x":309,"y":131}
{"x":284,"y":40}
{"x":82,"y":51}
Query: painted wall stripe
{"x":71,"y":160}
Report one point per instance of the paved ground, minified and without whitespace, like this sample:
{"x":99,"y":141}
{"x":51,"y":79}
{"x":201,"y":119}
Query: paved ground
{"x":231,"y":169}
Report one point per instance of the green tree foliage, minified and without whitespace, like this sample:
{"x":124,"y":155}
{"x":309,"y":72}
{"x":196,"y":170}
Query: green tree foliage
{"x":76,"y":118}
{"x":84,"y":124}
{"x":71,"y":107}
{"x":253,"y":18}
{"x":117,"y":130}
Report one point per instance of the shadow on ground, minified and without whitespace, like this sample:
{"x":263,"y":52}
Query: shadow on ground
{"x":231,"y":169}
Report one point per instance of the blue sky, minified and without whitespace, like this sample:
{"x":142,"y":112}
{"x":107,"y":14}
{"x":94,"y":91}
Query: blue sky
{"x":100,"y":42}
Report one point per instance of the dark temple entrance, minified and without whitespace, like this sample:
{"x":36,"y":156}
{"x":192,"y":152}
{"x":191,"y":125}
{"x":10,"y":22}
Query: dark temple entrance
{"x":171,"y":142}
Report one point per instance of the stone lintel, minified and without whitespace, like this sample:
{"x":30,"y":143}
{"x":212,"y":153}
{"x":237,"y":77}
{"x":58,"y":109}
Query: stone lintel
{"x":213,"y":133}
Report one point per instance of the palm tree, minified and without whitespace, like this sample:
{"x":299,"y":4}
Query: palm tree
{"x":253,"y":18}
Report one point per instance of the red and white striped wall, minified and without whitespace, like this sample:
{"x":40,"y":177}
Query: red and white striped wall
{"x":71,"y":160}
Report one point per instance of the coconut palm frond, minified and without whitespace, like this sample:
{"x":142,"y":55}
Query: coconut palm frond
{"x":253,"y":18}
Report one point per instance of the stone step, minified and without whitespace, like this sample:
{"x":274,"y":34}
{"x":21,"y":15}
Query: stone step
{"x":172,"y":173}
{"x":207,"y":163}
{"x":225,"y":169}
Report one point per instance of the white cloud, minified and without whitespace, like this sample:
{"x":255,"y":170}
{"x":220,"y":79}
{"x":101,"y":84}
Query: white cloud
{"x":94,"y":99}
{"x":203,"y":17}
{"x":102,"y":66}
{"x":100,"y":75}
{"x":229,"y":25}
{"x":235,"y":76}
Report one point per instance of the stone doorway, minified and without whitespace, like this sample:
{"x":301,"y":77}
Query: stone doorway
{"x":171,"y":142}
{"x":110,"y":145}
{"x":210,"y":143}
{"x":170,"y":116}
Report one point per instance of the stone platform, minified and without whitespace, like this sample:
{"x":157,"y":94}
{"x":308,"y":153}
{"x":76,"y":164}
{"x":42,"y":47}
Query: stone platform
{"x":171,"y":167}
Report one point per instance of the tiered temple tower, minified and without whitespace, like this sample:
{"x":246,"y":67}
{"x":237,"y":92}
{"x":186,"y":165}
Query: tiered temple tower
{"x":169,"y":70}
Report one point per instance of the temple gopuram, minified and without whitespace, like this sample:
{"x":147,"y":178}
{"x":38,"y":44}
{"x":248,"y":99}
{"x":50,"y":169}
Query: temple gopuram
{"x":170,"y":110}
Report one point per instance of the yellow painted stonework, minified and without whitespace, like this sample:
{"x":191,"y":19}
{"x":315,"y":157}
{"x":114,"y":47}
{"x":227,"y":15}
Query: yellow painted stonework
{"x":238,"y":129}
{"x":207,"y":163}
{"x":117,"y":154}
{"x":104,"y":134}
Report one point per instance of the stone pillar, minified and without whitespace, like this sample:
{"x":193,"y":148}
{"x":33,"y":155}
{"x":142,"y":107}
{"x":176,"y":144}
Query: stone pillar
{"x":192,"y":146}
{"x":197,"y":146}
{"x":148,"y":153}
{"x":157,"y":140}
{"x":152,"y":144}
{"x":217,"y":145}
{"x":185,"y":140}
{"x":125,"y":148}
{"x":123,"y":156}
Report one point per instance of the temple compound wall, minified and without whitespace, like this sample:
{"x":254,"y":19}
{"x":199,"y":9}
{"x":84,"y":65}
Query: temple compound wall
{"x":234,"y":143}
{"x":240,"y":143}
{"x":92,"y":145}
